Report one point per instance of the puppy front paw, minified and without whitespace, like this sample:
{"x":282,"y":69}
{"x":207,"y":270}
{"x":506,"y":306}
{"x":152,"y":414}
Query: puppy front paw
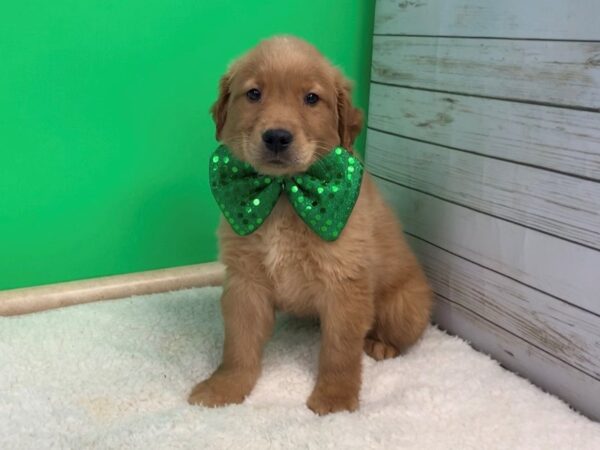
{"x":325,"y":401}
{"x":215,"y":392}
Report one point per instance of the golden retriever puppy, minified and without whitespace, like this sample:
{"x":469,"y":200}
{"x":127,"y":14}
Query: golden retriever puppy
{"x":281,"y":108}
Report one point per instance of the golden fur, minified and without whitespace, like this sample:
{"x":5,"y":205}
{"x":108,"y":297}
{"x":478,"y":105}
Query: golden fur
{"x":366,"y":288}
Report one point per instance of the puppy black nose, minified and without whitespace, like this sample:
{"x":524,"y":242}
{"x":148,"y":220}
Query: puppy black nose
{"x":277,"y":139}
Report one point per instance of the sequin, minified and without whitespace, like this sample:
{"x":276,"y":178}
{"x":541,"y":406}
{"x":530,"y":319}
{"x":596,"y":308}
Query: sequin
{"x":330,"y":189}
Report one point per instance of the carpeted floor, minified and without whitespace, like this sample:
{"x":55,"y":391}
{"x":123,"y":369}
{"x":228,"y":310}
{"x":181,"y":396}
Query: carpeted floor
{"x":116,"y":375}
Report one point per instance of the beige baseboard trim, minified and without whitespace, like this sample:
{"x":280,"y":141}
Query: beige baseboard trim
{"x":39,"y":298}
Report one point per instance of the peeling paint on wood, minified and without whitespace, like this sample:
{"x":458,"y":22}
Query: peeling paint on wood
{"x":408,"y":4}
{"x":593,"y":61}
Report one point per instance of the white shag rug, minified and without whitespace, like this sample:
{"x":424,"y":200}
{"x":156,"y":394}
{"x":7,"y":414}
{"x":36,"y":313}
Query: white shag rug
{"x":116,"y":375}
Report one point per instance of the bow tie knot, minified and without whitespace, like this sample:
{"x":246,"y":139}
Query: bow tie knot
{"x":323,"y":196}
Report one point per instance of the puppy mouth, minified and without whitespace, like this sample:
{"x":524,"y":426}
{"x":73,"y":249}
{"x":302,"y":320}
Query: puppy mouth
{"x":276,"y":162}
{"x":279,"y":161}
{"x":268,"y":162}
{"x":277,"y":166}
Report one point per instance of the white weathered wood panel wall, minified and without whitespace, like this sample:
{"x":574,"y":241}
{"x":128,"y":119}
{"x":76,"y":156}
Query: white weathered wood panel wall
{"x":511,"y":19}
{"x":484,"y":135}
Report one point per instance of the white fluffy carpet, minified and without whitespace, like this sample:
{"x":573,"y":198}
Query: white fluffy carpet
{"x":116,"y":375}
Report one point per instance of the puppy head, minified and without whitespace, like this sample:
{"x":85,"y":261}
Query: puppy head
{"x":283,"y":105}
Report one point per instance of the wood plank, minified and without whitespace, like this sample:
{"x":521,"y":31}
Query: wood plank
{"x":534,"y":258}
{"x":567,"y":332}
{"x":542,"y":19}
{"x":563,"y":73}
{"x":575,"y":387}
{"x":555,"y":138}
{"x":557,"y":204}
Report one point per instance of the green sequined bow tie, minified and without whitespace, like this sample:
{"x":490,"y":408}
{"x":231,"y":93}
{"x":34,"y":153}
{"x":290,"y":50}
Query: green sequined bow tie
{"x":323,"y":196}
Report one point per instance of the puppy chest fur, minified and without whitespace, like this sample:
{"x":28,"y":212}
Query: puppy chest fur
{"x":297,"y":266}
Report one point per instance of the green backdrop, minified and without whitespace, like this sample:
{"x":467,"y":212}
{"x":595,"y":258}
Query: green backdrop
{"x":104,"y":124}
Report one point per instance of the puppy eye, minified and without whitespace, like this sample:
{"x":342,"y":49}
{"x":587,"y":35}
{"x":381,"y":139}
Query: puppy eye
{"x":253,"y":95}
{"x":311,"y":98}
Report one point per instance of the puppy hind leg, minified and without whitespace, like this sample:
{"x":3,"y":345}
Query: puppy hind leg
{"x":401,"y":316}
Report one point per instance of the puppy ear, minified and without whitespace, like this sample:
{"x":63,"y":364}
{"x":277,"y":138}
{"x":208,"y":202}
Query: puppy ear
{"x":350,"y":119}
{"x":219,"y":108}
